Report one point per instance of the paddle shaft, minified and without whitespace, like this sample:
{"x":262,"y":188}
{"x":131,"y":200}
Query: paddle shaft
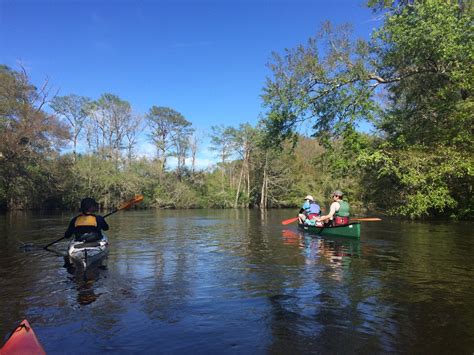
{"x":57,"y":240}
{"x":114,"y":211}
{"x":368,"y":219}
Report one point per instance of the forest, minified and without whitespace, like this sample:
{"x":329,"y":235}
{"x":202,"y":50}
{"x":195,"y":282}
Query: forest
{"x":411,"y":83}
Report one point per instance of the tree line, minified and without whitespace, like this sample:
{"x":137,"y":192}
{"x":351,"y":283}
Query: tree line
{"x":37,"y":172}
{"x":412,"y":82}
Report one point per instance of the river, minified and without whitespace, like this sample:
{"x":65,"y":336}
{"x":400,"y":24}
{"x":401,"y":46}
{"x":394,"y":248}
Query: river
{"x":237,"y":281}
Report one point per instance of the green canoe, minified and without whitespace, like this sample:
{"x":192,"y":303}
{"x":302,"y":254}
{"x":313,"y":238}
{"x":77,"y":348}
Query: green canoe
{"x":351,"y":230}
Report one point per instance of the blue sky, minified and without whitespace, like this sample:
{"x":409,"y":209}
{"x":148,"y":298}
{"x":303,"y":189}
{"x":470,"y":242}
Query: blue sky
{"x":205,"y":59}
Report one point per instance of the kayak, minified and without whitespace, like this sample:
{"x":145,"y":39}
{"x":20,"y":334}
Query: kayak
{"x":84,"y":254}
{"x":22,"y":341}
{"x":350,"y":230}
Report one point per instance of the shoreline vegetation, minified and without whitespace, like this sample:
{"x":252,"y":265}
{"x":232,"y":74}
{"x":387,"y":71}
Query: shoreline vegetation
{"x":412,"y":82}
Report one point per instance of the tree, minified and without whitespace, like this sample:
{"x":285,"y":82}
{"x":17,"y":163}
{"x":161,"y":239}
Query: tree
{"x":181,"y":147}
{"x":73,"y":109}
{"x":167,"y":125}
{"x":244,"y":143}
{"x":111,"y":119}
{"x":132,"y":128}
{"x":193,"y":146}
{"x":430,"y":47}
{"x":331,"y":82}
{"x":413,"y":81}
{"x":222,"y":142}
{"x":275,"y":175}
{"x":426,"y":50}
{"x":29,"y":137}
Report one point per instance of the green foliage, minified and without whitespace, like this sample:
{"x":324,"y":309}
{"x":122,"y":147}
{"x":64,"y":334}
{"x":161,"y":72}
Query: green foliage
{"x":29,"y":140}
{"x":419,"y":183}
{"x":175,"y":195}
{"x":398,"y":5}
{"x":419,"y":64}
{"x":94,"y":176}
{"x":329,"y":82}
{"x":170,"y":133}
{"x":212,"y":193}
{"x":428,"y":50}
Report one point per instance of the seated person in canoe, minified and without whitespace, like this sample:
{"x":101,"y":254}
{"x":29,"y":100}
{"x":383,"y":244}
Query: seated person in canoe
{"x":87,"y":226}
{"x":309,"y":211}
{"x":338,"y":212}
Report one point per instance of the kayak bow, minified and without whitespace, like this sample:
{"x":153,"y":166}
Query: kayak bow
{"x":22,"y":341}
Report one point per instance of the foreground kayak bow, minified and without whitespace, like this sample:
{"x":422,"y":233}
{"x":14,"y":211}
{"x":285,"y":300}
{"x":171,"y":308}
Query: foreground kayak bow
{"x":23,"y":340}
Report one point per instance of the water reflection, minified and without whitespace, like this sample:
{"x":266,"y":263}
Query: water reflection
{"x":333,"y":296}
{"x":233,"y":282}
{"x":335,"y":252}
{"x":85,"y":293}
{"x":85,"y":279}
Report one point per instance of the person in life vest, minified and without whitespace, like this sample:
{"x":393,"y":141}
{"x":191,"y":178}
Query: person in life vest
{"x":338,"y":212}
{"x":309,"y":211}
{"x":87,"y":227}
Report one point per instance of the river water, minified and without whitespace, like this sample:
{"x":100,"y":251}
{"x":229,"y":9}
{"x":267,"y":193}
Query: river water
{"x":237,"y":281}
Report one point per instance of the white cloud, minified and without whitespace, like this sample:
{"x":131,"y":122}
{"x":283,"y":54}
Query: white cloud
{"x":200,"y":163}
{"x":204,"y":160}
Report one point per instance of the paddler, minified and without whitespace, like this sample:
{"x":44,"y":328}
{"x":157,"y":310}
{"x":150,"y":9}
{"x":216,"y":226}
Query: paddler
{"x":309,"y":211}
{"x":338,"y":212}
{"x":87,"y":227}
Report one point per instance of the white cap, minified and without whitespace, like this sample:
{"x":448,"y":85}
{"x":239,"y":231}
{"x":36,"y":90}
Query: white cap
{"x":309,"y":197}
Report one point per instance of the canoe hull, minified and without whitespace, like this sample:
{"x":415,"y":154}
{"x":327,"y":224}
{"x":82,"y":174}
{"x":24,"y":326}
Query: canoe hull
{"x":351,"y":230}
{"x":85,"y":254}
{"x":23,"y":340}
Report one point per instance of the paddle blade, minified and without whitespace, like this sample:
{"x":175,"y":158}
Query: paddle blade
{"x":369,"y":219}
{"x":288,"y":221}
{"x":127,"y":204}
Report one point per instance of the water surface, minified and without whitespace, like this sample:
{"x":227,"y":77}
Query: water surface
{"x":227,"y":281}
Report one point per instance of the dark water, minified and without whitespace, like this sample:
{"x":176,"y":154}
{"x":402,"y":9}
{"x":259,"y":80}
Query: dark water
{"x":214,"y":281}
